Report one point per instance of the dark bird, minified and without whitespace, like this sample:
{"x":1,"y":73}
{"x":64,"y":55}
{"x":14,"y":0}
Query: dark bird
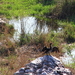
{"x":54,"y":49}
{"x":46,"y":50}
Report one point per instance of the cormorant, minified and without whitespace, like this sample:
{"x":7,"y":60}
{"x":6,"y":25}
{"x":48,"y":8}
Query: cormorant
{"x":51,"y":49}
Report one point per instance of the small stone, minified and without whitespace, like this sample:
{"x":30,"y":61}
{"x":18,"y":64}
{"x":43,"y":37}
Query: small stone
{"x":22,"y":70}
{"x":44,"y":73}
{"x":18,"y":73}
{"x":50,"y":69}
{"x":28,"y":70}
{"x":39,"y":71}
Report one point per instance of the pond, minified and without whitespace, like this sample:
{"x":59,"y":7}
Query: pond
{"x":29,"y":25}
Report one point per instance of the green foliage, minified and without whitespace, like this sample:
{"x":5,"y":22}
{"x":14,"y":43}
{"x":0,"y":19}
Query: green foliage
{"x":67,"y":9}
{"x":47,"y":38}
{"x":53,"y":37}
{"x":3,"y":51}
{"x":68,"y":50}
{"x":45,"y":2}
{"x":18,"y":8}
{"x":40,"y":10}
{"x":24,"y":39}
{"x":39,"y":39}
{"x":6,"y":29}
{"x":69,"y":33}
{"x":10,"y":27}
{"x":73,"y":65}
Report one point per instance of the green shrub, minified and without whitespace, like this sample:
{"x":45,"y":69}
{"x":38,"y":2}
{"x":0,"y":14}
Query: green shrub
{"x":46,"y":2}
{"x":53,"y":37}
{"x":3,"y":51}
{"x":69,"y":33}
{"x":22,"y":7}
{"x":24,"y":39}
{"x":66,"y":9}
{"x":10,"y":27}
{"x":39,"y":39}
{"x":7,"y":51}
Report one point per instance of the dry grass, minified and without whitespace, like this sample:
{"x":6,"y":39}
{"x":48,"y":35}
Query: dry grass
{"x":25,"y":54}
{"x":13,"y":64}
{"x":10,"y":64}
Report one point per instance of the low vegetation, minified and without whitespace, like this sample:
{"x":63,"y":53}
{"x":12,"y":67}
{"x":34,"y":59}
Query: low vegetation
{"x":22,"y":8}
{"x":57,"y":13}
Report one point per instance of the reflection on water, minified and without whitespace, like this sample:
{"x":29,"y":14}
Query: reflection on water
{"x":30,"y":24}
{"x":67,"y":59}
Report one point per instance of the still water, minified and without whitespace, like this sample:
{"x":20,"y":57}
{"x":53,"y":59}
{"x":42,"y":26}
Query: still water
{"x":28,"y":25}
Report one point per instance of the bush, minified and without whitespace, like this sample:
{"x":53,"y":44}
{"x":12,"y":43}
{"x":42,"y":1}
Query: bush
{"x":7,"y":47}
{"x":39,"y":39}
{"x":69,"y":33}
{"x":3,"y":51}
{"x":53,"y":37}
{"x":24,"y":39}
{"x":45,"y":2}
{"x":67,"y":10}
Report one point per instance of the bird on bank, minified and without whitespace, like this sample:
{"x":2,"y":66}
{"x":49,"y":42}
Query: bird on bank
{"x":47,"y":51}
{"x":54,"y":49}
